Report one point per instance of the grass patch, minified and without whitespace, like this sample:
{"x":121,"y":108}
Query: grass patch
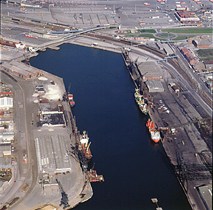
{"x":205,"y":54}
{"x":165,"y":35}
{"x":147,"y":35}
{"x":178,"y":38}
{"x":189,"y":30}
{"x":151,"y":31}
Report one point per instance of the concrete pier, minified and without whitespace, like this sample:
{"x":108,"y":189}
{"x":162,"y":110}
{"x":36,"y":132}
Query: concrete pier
{"x":182,"y":139}
{"x":41,"y":144}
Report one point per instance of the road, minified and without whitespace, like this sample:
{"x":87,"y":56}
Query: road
{"x":176,"y":70}
{"x":25,"y":174}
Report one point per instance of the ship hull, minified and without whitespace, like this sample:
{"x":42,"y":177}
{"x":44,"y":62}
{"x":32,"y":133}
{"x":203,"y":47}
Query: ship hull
{"x":140,"y":102}
{"x":155,"y":134}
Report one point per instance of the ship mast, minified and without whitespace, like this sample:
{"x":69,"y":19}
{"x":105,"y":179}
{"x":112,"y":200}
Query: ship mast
{"x":87,"y":149}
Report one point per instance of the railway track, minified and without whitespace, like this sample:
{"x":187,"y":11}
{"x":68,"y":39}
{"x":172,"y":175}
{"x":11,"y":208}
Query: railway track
{"x":173,"y":62}
{"x":126,"y":42}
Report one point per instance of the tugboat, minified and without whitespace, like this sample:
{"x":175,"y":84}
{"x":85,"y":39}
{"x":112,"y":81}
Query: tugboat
{"x":70,"y":99}
{"x":140,"y":101}
{"x":155,"y":134}
{"x":85,"y":145}
{"x":93,"y":177}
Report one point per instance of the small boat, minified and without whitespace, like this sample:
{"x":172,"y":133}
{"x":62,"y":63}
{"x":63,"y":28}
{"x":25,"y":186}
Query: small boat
{"x":70,"y":97}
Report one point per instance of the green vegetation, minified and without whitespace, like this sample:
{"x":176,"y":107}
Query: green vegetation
{"x":205,"y":54}
{"x":165,"y":35}
{"x":189,"y":30}
{"x":147,"y":31}
{"x":147,"y":35}
{"x":181,"y":37}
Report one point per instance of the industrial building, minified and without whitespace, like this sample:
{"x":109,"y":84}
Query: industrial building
{"x":51,"y":114}
{"x":150,"y":70}
{"x":6,"y":103}
{"x":52,"y":118}
{"x":165,"y":47}
{"x":154,"y":86}
{"x":52,"y":154}
{"x":6,"y":137}
{"x":187,"y":17}
{"x":205,"y":193}
{"x":190,"y":57}
{"x":6,"y":133}
{"x":5,"y":151}
{"x":21,"y":70}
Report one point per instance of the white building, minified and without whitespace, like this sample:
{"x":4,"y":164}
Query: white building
{"x":6,"y":138}
{"x":6,"y":102}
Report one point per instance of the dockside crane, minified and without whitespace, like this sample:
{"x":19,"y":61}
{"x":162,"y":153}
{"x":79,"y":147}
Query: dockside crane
{"x":191,"y":171}
{"x":64,"y":197}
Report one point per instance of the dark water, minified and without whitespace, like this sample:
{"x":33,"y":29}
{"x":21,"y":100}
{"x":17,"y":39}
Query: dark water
{"x":135,"y":170}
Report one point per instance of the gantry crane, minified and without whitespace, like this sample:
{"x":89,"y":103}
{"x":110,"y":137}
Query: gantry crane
{"x":64,"y":197}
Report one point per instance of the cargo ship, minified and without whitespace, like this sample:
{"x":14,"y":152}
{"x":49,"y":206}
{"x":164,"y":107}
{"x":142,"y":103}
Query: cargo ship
{"x":93,"y":177}
{"x":85,"y":145}
{"x":140,"y":101}
{"x":70,"y":99}
{"x":155,"y":134}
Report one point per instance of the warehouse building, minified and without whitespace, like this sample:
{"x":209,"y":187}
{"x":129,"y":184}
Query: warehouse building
{"x":190,"y":57}
{"x":6,"y":103}
{"x":5,"y":151}
{"x":187,"y":17}
{"x":52,"y":154}
{"x":150,"y":71}
{"x":6,"y":137}
{"x":165,"y":47}
{"x":154,"y":86}
{"x":21,"y":70}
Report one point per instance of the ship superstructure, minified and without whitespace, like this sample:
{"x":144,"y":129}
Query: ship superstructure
{"x":70,"y":99}
{"x":85,"y":145}
{"x":140,"y":101}
{"x":155,"y":134}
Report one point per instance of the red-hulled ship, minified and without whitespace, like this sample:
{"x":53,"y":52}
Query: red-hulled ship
{"x":93,"y":177}
{"x":85,"y":145}
{"x":155,"y":134}
{"x":70,"y":99}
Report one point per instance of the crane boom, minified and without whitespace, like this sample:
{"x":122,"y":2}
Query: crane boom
{"x":64,"y":197}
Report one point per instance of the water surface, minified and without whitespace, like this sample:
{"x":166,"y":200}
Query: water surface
{"x":135,"y":170}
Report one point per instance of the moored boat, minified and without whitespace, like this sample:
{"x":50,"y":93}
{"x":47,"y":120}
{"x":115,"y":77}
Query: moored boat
{"x":155,"y":134}
{"x":93,"y":177}
{"x":70,"y":99}
{"x":140,"y":101}
{"x":85,"y":145}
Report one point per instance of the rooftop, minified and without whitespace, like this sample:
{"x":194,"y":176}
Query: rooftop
{"x":52,"y":154}
{"x":154,"y":86}
{"x":150,"y":69}
{"x":206,"y":194}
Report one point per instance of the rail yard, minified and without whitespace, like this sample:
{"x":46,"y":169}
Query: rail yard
{"x":41,"y":147}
